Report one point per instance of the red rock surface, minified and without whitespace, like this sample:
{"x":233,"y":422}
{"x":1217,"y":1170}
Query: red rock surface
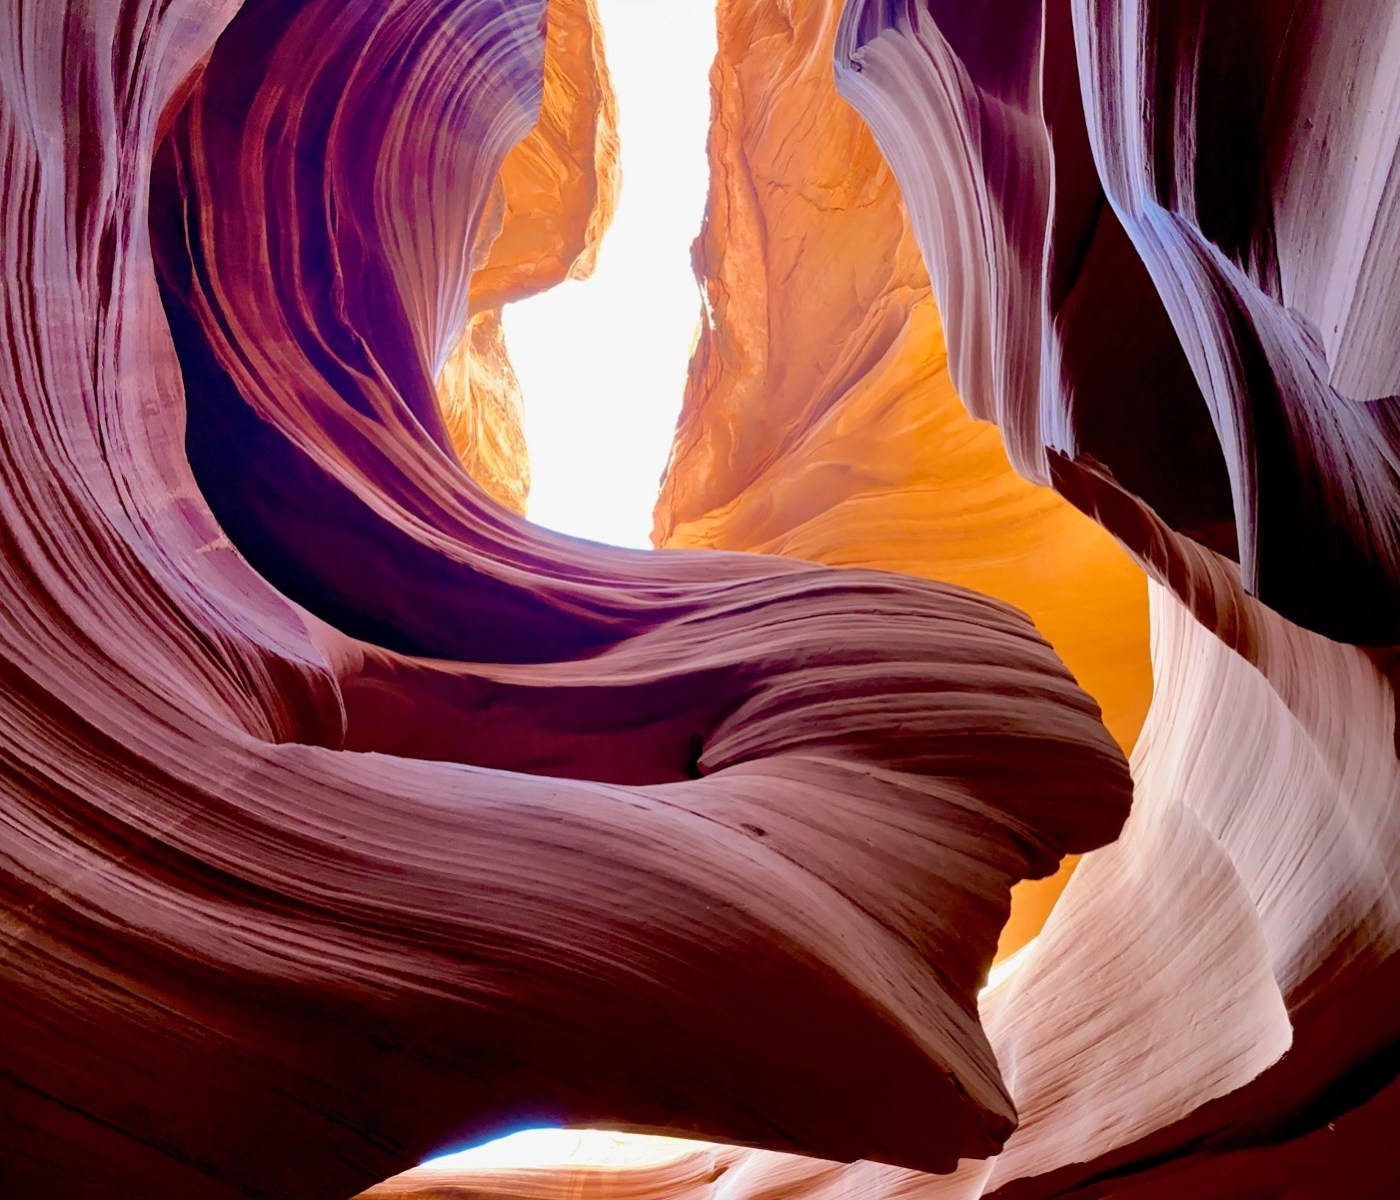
{"x":1079,"y":268}
{"x":347,"y":816}
{"x":1208,"y":1005}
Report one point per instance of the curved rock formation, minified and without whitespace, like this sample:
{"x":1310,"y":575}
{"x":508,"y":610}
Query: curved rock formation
{"x":820,"y":421}
{"x":1249,"y":908}
{"x":1252,"y":904}
{"x":1171,"y":202}
{"x":347,"y":816}
{"x":696,"y":1176}
{"x":1208,"y":251}
{"x":1209,"y":1009}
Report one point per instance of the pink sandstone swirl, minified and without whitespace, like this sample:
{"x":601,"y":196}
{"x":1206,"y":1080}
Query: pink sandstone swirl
{"x":1209,"y":1010}
{"x":347,"y":817}
{"x":1187,"y":327}
{"x":1143,"y":249}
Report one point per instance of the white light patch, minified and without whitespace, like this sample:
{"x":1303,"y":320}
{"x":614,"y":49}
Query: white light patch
{"x":602,"y":361}
{"x":565,"y":1147}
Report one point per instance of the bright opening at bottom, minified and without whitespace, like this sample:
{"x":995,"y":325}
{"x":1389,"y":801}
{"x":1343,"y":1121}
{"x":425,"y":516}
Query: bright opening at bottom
{"x":566,"y":1148}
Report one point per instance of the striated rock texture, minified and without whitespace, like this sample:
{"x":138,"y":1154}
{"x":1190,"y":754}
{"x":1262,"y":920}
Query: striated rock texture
{"x":1250,"y":906}
{"x":1209,"y":1010}
{"x":482,"y":408}
{"x":1177,"y":204}
{"x":553,"y":199}
{"x":820,"y":420}
{"x":1208,"y":1007}
{"x":558,"y":185}
{"x":1215,"y":260}
{"x":346,"y":816}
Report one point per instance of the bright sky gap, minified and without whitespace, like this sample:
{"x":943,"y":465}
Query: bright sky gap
{"x":602,"y":367}
{"x":602,"y":361}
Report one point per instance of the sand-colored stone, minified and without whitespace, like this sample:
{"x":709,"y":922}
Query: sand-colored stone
{"x":345,"y":817}
{"x":558,"y":186}
{"x":481,"y":403}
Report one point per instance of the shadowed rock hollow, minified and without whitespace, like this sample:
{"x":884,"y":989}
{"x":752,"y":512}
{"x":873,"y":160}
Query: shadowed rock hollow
{"x":1047,"y":376}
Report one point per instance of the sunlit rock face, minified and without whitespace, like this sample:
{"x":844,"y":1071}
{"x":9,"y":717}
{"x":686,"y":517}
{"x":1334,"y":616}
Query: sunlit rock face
{"x":820,"y":420}
{"x":347,"y":816}
{"x":482,"y":408}
{"x":1207,"y":1005}
{"x":551,"y":204}
{"x":558,"y":185}
{"x":1209,"y":1009}
{"x":1209,"y":997}
{"x":1158,"y":296}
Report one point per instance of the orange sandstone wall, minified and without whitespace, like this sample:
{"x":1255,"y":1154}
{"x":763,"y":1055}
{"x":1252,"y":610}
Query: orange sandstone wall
{"x":1209,"y":1009}
{"x":552,"y":203}
{"x":820,"y":421}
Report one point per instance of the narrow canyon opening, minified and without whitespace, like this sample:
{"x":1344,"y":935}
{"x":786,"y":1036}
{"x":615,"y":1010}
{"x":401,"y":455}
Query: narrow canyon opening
{"x":1030,"y":499}
{"x":552,"y":1147}
{"x":601,"y":363}
{"x":602,"y":360}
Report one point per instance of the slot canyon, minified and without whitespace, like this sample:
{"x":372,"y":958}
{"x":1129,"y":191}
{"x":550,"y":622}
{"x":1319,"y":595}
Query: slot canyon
{"x":988,"y":784}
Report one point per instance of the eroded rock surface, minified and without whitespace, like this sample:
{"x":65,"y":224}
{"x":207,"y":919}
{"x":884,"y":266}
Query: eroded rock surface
{"x":1156,"y":231}
{"x":1211,"y":989}
{"x":1157,"y":294}
{"x":820,"y":420}
{"x":1209,"y":995}
{"x":346,"y":815}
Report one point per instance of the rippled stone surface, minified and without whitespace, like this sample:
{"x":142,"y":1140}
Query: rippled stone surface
{"x":348,"y":816}
{"x":820,"y":420}
{"x":1157,"y":231}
